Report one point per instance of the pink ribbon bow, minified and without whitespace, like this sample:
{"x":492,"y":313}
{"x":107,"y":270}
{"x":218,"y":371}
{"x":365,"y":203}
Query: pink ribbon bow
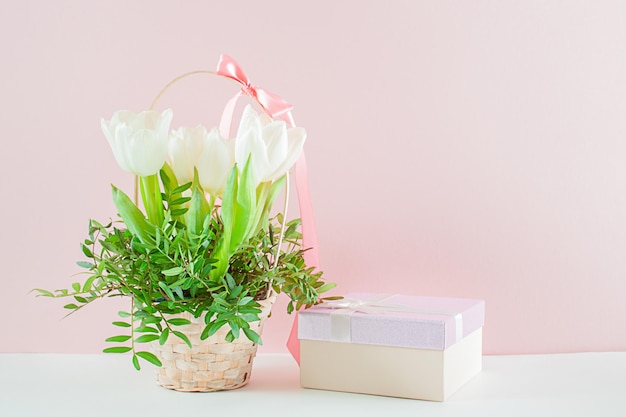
{"x":274,"y":105}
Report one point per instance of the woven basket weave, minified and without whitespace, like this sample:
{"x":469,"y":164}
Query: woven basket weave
{"x":212,"y":364}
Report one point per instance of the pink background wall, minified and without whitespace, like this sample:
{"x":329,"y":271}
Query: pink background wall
{"x":468,"y":148}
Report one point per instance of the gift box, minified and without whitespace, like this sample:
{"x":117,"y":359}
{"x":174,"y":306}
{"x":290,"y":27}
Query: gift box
{"x":394,"y":345}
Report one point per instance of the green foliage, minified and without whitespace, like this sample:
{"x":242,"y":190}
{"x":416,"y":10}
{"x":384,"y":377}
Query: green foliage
{"x":201,"y":259}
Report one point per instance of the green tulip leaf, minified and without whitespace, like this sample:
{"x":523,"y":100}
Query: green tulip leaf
{"x":199,"y":208}
{"x":133,"y":217}
{"x":245,"y":207}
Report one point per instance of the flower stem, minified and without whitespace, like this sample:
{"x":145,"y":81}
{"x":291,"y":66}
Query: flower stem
{"x":152,"y":201}
{"x":212,"y":199}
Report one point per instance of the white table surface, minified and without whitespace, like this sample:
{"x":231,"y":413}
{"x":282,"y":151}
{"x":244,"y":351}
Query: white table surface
{"x":580,"y":384}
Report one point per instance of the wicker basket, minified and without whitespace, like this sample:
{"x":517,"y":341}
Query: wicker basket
{"x":212,"y":364}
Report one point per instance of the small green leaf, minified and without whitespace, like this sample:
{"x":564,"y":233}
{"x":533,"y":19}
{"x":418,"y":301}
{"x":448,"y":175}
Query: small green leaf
{"x":181,"y":188}
{"x":234,"y":329}
{"x":146,"y":329}
{"x":245,"y":300}
{"x":219,"y":300}
{"x":214,"y":327}
{"x":44,"y":293}
{"x":231,"y":282}
{"x":123,"y":314}
{"x":86,"y":251}
{"x":326,"y":287}
{"x":164,"y":335}
{"x":89,"y":282}
{"x":180,"y":201}
{"x":152,"y":320}
{"x":253,"y":336}
{"x":85,"y":264}
{"x":167,"y":290}
{"x":182,"y":337}
{"x":249,"y":317}
{"x":146,"y":338}
{"x":179,"y":292}
{"x":121,"y":324}
{"x":147,"y":356}
{"x":177,"y":270}
{"x":70,"y":306}
{"x":118,"y":339}
{"x":178,"y":322}
{"x":117,"y":349}
{"x":136,"y":363}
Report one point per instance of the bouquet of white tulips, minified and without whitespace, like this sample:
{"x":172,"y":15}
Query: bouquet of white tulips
{"x":246,"y":173}
{"x":206,"y":241}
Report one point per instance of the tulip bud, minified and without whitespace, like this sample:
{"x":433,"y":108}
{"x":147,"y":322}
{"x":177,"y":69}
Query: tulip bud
{"x":272,"y":147}
{"x":138,"y":141}
{"x":185,"y":147}
{"x":215,"y":163}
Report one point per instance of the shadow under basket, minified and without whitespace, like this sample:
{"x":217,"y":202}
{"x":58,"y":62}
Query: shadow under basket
{"x":212,"y":364}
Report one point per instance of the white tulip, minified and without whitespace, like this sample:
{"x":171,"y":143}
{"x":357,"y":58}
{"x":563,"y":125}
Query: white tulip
{"x":215,"y":163}
{"x":272,"y":147}
{"x":138,"y":141}
{"x":295,"y":142}
{"x":185,"y":147}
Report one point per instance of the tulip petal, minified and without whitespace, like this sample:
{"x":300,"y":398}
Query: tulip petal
{"x":250,"y":120}
{"x":250,"y":144}
{"x":296,"y":139}
{"x":110,"y":135}
{"x":184,"y":148}
{"x":275,"y":138}
{"x":138,"y":141}
{"x":146,"y":152}
{"x":215,"y":163}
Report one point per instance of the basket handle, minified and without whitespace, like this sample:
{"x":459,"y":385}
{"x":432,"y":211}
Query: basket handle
{"x":229,"y":109}
{"x":273,"y":105}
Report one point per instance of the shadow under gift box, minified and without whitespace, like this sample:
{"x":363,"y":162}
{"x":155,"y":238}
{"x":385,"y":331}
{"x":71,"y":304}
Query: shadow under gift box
{"x":394,"y":345}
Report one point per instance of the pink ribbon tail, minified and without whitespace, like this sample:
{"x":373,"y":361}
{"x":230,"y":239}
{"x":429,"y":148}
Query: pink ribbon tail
{"x":309,"y":231}
{"x":293,"y":343}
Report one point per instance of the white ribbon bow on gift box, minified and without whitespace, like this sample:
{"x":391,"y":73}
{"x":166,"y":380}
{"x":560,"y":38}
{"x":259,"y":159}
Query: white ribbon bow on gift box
{"x":340,"y":329}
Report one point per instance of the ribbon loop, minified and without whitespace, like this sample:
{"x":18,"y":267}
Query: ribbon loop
{"x":273,"y":104}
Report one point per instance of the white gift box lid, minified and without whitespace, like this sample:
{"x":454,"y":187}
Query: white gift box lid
{"x":393,"y":320}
